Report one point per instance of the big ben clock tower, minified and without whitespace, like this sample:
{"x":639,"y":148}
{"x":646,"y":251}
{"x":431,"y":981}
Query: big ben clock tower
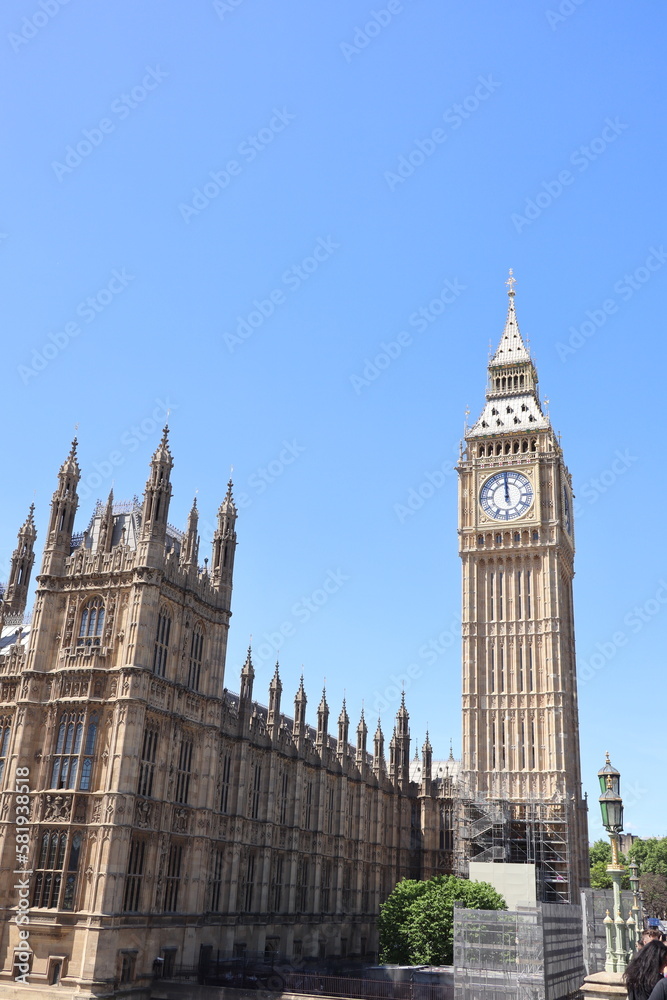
{"x":520,"y":759}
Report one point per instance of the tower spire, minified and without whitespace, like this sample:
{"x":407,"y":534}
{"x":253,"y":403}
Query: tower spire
{"x":190,"y":550}
{"x":157,"y":494}
{"x":23,"y":557}
{"x":63,"y":508}
{"x":224,"y":545}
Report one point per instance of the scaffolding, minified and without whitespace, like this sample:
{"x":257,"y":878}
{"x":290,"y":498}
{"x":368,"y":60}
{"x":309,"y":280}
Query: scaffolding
{"x":529,"y":954}
{"x":520,"y":833}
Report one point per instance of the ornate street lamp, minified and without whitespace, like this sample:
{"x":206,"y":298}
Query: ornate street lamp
{"x":611,"y":807}
{"x":637,"y":911}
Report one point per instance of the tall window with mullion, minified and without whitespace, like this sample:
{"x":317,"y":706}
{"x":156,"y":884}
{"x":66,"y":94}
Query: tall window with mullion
{"x":73,"y":756}
{"x":135,"y":871}
{"x":183,"y":773}
{"x":5,"y":733}
{"x":147,"y":765}
{"x":161,"y":651}
{"x":55,"y":882}
{"x":92,"y":623}
{"x":173,"y":878}
{"x":196,"y":652}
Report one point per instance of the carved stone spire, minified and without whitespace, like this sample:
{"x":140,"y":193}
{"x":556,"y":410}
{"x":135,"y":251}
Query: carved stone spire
{"x":106,"y":526}
{"x":362,"y":736}
{"x":275,"y":692}
{"x":427,"y":765}
{"x":157,"y":495}
{"x":300,"y":702}
{"x":63,"y":508}
{"x":190,"y":549}
{"x":23,"y":558}
{"x":247,"y":677}
{"x":224,"y":546}
{"x":343,"y":730}
{"x":322,"y":720}
{"x":378,"y":750}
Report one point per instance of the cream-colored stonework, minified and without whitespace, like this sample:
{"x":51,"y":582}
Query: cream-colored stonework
{"x":516,"y":540}
{"x":169,"y":818}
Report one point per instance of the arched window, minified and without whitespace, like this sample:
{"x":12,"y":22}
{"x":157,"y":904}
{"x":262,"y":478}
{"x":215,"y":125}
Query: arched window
{"x":92,"y":623}
{"x":162,"y":643}
{"x":55,"y":885}
{"x":196,"y":650}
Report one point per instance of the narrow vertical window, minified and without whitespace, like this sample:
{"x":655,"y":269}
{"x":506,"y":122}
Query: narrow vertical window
{"x":491,"y":587}
{"x":520,"y":678}
{"x":256,"y":790}
{"x":308,"y":806}
{"x":249,"y":883}
{"x":277,"y":884}
{"x":161,"y":650}
{"x":532,"y":745}
{"x":183,"y":773}
{"x":325,"y":887}
{"x":5,"y":732}
{"x":501,"y":660}
{"x":331,"y":805}
{"x":500,"y":596}
{"x":492,"y":669}
{"x":493,"y":744}
{"x":523,"y":745}
{"x":217,"y":863}
{"x":173,"y":878}
{"x":503,"y":745}
{"x":196,"y":650}
{"x":519,"y":609}
{"x":284,"y":797}
{"x":225,"y":781}
{"x":528,"y":595}
{"x":530,"y":667}
{"x":135,"y":871}
{"x":147,"y":765}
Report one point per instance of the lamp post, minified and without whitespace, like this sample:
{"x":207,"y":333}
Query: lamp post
{"x":637,"y":909}
{"x":611,"y":806}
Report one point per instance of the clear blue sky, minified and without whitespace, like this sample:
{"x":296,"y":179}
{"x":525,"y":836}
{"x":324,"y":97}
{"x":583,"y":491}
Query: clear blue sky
{"x":548,"y":156}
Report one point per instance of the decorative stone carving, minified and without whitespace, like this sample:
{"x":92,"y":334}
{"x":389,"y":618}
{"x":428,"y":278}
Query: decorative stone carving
{"x":56,"y":808}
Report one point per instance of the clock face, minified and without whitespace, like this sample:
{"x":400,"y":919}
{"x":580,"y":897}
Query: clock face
{"x":566,"y":511}
{"x":506,"y":495}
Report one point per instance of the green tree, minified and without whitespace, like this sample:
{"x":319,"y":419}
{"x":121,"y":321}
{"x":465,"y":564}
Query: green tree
{"x":417,"y":921}
{"x":655,"y":894}
{"x":600,"y":855}
{"x":650,"y":855}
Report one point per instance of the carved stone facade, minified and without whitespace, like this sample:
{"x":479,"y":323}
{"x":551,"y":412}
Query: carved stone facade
{"x":168,"y":818}
{"x":160,"y":818}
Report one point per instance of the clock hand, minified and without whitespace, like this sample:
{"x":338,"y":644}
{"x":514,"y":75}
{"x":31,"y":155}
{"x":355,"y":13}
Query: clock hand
{"x":507,"y":491}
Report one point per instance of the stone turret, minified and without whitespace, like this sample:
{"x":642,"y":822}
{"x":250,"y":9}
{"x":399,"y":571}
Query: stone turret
{"x":23,"y":558}
{"x":61,"y":523}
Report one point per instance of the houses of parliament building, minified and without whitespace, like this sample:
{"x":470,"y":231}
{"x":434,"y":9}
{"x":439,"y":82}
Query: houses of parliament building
{"x":148,"y":814}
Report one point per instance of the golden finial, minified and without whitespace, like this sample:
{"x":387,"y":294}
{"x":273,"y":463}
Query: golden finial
{"x":607,"y":758}
{"x":511,"y":282}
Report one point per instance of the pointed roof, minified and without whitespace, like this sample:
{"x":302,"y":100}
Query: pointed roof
{"x":378,"y":731}
{"x":162,"y":452}
{"x":275,"y":680}
{"x":70,"y":466}
{"x":511,"y":348}
{"x":323,"y":707}
{"x":28,"y":526}
{"x":344,"y":717}
{"x":402,"y":712}
{"x":427,"y":748}
{"x":301,"y":693}
{"x":228,"y":506}
{"x":248,"y":669}
{"x":362,"y":727}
